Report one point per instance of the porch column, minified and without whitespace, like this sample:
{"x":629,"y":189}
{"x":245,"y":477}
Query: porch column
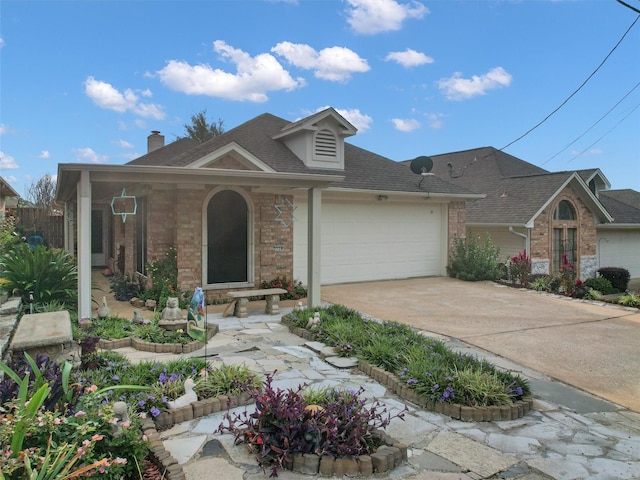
{"x":84,"y":245}
{"x":69,"y":228}
{"x":314,"y":246}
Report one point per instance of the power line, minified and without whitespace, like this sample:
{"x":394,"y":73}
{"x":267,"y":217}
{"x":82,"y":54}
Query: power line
{"x":593,"y":125}
{"x":608,"y":131}
{"x":576,"y":91}
{"x":628,"y":6}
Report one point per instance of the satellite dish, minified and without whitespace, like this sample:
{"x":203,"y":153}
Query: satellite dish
{"x":421,"y":165}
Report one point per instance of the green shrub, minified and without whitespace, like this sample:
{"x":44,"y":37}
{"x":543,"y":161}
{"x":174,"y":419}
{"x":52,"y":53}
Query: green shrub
{"x":124,"y":288}
{"x":49,"y":274}
{"x":601,"y":284}
{"x":628,"y":300}
{"x":540,"y":283}
{"x":473,"y":260}
{"x":9,"y":237}
{"x":619,"y":277}
{"x":593,"y":294}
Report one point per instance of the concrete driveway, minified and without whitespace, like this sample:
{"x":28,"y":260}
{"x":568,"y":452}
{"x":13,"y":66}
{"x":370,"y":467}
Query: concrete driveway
{"x":593,"y":347}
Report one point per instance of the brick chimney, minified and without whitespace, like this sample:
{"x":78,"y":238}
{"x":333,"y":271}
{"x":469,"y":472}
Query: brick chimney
{"x":154,"y":141}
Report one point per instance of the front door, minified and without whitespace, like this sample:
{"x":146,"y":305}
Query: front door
{"x":99,"y":237}
{"x":227,"y":238}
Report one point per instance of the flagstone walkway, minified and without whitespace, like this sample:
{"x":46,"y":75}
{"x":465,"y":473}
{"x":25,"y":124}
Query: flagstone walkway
{"x":570,"y":434}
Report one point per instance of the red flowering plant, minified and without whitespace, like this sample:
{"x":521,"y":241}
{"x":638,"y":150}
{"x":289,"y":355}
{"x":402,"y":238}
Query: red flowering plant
{"x":294,"y":288}
{"x":520,"y":268}
{"x":567,"y":273}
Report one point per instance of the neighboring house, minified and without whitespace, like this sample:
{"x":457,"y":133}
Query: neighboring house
{"x":619,"y":241}
{"x":268,"y":198}
{"x":6,"y":192}
{"x":550,"y":214}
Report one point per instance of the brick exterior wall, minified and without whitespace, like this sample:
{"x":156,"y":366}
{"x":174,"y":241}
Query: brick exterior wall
{"x":174,"y":218}
{"x":457,"y":223}
{"x":542,"y":234}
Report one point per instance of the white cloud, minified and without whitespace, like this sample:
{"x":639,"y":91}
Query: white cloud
{"x":7,"y":162}
{"x":106,"y":96}
{"x":409,"y":58}
{"x":11,"y":179}
{"x":1,"y":42}
{"x":458,"y":88}
{"x":369,"y":17}
{"x":435,"y":120}
{"x":44,"y":154}
{"x":87,"y":155}
{"x":589,"y":152}
{"x":405,"y":124}
{"x":335,"y":63}
{"x":123,"y":144}
{"x":254,"y":76}
{"x":3,"y":129}
{"x":358,"y":119}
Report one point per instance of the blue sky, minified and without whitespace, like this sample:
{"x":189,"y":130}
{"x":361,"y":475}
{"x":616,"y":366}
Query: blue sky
{"x":86,"y":81}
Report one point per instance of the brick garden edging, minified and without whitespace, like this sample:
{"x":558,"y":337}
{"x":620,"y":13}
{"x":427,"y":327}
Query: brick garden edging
{"x":386,"y":457}
{"x":145,"y":346}
{"x":460,"y":412}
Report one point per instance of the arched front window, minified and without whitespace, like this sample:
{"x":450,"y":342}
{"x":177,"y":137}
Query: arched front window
{"x":565,"y":236}
{"x":227,"y":238}
{"x":564,"y":211}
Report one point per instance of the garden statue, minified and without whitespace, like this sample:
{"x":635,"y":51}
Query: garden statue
{"x":196,"y":319}
{"x":103,"y":310}
{"x":187,"y":399}
{"x":172,"y":318}
{"x":172,"y":310}
{"x":139,"y":319}
{"x":313,"y":321}
{"x":121,"y":412}
{"x":196,"y":307}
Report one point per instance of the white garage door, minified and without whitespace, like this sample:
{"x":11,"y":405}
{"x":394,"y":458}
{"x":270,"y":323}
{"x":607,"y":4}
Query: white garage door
{"x":620,"y":248}
{"x":372,"y":241}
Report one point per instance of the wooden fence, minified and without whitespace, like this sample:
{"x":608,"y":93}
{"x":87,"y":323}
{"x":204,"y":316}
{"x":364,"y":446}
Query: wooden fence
{"x":34,"y":221}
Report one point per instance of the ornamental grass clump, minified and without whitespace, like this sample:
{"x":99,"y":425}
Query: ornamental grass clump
{"x":424,"y":364}
{"x":285,"y":422}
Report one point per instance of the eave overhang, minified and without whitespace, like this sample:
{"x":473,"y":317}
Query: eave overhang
{"x":124,"y":175}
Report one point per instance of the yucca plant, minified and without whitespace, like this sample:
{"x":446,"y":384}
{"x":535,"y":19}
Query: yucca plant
{"x":48,"y":274}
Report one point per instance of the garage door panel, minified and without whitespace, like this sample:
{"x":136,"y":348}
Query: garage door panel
{"x":374,"y":241}
{"x":620,"y":248}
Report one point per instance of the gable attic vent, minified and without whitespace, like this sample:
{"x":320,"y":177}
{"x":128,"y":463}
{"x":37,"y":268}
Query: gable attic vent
{"x":326,"y":145}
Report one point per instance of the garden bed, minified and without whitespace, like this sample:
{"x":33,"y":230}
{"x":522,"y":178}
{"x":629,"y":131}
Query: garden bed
{"x":432,"y":391}
{"x":153,"y":347}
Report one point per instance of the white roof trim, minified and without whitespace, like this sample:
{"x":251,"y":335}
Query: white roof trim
{"x":591,"y":198}
{"x":601,"y":175}
{"x":232,"y":147}
{"x":309,"y":124}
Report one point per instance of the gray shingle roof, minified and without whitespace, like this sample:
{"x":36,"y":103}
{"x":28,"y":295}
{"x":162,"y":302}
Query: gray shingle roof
{"x":623,"y":205}
{"x":364,"y":170}
{"x":515,"y":189}
{"x":163,"y":155}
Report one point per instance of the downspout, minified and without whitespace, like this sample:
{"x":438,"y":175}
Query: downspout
{"x":527,"y":244}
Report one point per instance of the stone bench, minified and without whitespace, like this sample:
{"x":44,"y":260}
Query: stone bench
{"x":241,"y":300}
{"x":48,"y":333}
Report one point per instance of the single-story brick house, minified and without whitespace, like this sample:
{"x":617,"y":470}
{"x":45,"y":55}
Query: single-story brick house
{"x":547,"y":213}
{"x":268,"y":198}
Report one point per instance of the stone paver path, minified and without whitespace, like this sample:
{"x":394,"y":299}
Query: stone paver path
{"x":598,"y":441}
